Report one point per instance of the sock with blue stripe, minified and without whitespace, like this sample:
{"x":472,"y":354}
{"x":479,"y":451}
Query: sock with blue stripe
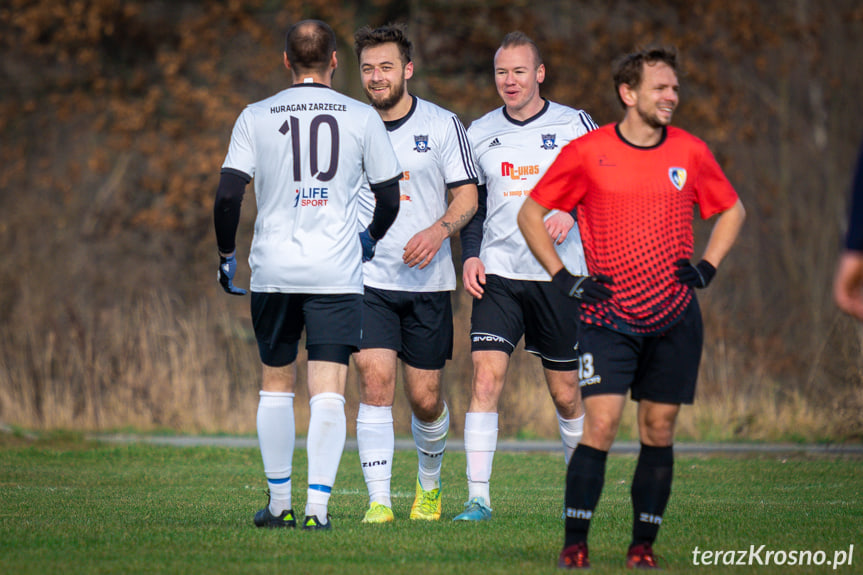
{"x":325,"y":444}
{"x":276,"y":437}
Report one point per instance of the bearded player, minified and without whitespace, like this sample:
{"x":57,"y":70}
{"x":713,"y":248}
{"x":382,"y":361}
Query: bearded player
{"x":407,"y":311}
{"x":635,"y":185}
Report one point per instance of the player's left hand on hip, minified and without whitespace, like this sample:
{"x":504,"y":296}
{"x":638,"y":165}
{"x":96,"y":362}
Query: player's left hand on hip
{"x":368,"y":243}
{"x":227,"y":269}
{"x":589,"y":289}
{"x":697,"y":276}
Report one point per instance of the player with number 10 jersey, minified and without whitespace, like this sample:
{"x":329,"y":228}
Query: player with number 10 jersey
{"x":302,"y":243}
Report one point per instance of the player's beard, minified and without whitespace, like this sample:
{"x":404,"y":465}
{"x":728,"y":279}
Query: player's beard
{"x":387,"y":103}
{"x":652,"y":119}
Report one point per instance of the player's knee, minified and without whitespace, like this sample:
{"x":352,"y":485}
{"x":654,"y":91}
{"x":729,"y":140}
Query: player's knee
{"x":427,"y":409}
{"x":600,"y":432}
{"x":656,"y":427}
{"x":486,"y":385}
{"x":658,"y":435}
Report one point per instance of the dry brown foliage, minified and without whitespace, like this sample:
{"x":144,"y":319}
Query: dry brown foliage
{"x":115,"y":119}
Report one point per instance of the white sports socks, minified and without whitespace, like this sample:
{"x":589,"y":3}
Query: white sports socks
{"x":430,"y":439}
{"x":376,"y":443}
{"x":570,"y":433}
{"x":275,"y":423}
{"x":325,"y":444}
{"x":480,"y":443}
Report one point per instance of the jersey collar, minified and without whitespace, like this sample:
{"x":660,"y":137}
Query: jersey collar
{"x":628,"y":143}
{"x":310,"y":85}
{"x":393,"y":125}
{"x":529,"y":120}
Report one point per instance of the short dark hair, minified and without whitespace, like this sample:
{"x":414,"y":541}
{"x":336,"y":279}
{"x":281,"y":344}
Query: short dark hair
{"x":309,"y":45}
{"x":629,"y":69}
{"x":519,"y":38}
{"x":368,"y":37}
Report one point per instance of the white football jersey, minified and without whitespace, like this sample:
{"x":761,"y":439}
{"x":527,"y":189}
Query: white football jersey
{"x":309,"y":149}
{"x":433,"y":150}
{"x":511,"y":157}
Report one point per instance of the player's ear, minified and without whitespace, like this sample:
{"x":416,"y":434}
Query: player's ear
{"x":287,"y":62}
{"x":540,"y":74}
{"x":334,"y":61}
{"x":627,"y":94}
{"x":409,"y":70}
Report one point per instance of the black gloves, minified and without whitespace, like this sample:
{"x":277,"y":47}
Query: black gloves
{"x":589,"y":289}
{"x":697,"y":276}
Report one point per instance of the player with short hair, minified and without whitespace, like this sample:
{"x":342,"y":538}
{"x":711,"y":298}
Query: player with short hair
{"x":513,"y":296}
{"x":634,"y":185}
{"x":309,"y":149}
{"x":408,"y":313}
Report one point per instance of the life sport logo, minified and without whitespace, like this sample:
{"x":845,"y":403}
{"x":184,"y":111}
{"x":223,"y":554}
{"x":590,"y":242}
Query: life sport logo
{"x":311,"y":197}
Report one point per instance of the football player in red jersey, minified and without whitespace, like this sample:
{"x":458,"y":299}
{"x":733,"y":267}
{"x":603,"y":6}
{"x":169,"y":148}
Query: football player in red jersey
{"x":634,"y":184}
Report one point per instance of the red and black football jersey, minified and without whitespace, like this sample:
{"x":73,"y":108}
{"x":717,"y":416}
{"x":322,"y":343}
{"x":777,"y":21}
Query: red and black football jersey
{"x":635,"y":210}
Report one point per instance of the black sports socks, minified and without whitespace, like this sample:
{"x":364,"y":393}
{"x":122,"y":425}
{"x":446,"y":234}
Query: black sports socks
{"x":651,"y":488}
{"x":585,"y":477}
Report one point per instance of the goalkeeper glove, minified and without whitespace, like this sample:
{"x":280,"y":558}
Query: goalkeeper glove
{"x":227,"y":269}
{"x":697,"y":276}
{"x":589,"y":289}
{"x":368,"y":243}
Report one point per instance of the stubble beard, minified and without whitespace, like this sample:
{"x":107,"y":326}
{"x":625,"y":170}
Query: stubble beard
{"x":398,"y":90}
{"x":653,"y":120}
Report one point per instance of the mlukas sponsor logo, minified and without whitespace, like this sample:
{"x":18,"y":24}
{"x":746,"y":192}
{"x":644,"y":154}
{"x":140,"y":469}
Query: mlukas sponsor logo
{"x":518,"y":172}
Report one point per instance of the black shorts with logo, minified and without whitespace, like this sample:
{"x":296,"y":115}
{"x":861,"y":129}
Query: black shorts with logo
{"x":661,"y":368}
{"x":418,"y":325}
{"x":546,"y":317}
{"x":279,"y":319}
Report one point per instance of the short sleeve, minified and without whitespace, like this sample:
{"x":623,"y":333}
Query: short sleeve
{"x":713,"y":191}
{"x":241,"y":151}
{"x":557,"y":188}
{"x":379,"y":158}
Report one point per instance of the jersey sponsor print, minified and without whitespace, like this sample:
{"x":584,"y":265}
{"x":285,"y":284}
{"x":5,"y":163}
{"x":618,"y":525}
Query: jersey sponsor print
{"x":511,"y":157}
{"x":309,"y":149}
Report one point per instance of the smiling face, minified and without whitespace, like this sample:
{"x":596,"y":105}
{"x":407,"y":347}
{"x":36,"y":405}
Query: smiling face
{"x":517,"y":77}
{"x":656,"y":97}
{"x":384,"y":75}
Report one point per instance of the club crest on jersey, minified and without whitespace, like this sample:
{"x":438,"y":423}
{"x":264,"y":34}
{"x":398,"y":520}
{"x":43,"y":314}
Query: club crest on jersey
{"x":677,"y":177}
{"x":548,"y":141}
{"x":422,"y":143}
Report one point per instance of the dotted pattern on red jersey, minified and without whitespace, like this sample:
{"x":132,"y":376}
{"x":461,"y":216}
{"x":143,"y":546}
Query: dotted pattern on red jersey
{"x":635,"y":210}
{"x":635,"y":237}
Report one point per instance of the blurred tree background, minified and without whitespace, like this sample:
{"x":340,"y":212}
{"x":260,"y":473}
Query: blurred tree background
{"x":116,"y":116}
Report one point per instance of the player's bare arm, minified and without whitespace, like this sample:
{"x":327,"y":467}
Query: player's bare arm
{"x":422,"y":247}
{"x":724,"y":234}
{"x":530,"y":222}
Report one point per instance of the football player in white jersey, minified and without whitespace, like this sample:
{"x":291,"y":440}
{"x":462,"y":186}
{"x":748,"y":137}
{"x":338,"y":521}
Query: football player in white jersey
{"x":513,"y":295}
{"x":309,"y":149}
{"x":407,"y":313}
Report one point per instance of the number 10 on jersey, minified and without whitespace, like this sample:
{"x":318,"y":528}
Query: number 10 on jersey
{"x":310,"y":142}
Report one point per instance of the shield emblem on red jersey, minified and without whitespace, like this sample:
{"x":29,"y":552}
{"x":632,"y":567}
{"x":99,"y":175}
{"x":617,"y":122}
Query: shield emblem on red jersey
{"x":677,"y":177}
